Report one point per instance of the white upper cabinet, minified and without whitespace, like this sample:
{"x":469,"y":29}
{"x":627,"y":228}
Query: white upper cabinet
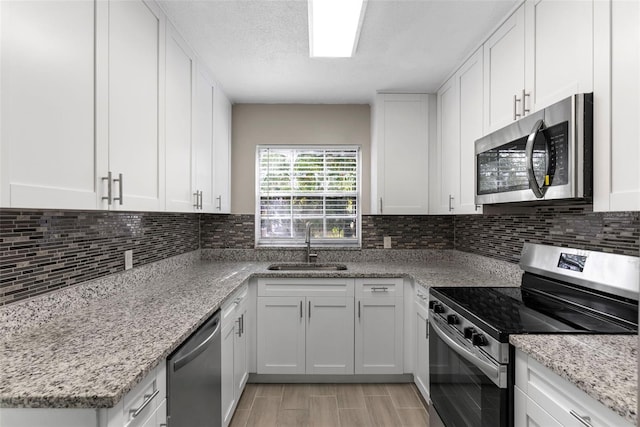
{"x":400,"y":163}
{"x":203,"y":148}
{"x":559,"y":50}
{"x":180,"y":73}
{"x":542,"y":54}
{"x":222,"y":151}
{"x":504,"y":72}
{"x":460,"y":114}
{"x":47,"y":143}
{"x":134,"y":105}
{"x":617,"y":106}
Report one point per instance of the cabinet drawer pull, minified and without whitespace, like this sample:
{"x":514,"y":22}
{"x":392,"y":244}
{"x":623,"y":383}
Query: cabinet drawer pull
{"x":120,"y":197}
{"x":584,"y":420}
{"x":197,"y":196}
{"x":219,"y":199}
{"x":358,"y":309}
{"x":379,"y":289}
{"x":147,"y":399}
{"x":525,"y":110}
{"x":450,"y":202}
{"x":309,"y":309}
{"x":108,"y":196}
{"x":301,"y":309}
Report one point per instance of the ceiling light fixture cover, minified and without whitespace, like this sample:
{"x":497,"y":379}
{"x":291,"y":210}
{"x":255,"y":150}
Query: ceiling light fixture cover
{"x":334,"y":27}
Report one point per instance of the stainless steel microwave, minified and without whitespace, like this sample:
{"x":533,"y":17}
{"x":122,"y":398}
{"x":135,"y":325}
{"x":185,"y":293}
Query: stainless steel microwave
{"x":546,"y":155}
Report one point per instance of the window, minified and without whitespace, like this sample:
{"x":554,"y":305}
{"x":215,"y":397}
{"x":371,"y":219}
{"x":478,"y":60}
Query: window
{"x":300,"y":185}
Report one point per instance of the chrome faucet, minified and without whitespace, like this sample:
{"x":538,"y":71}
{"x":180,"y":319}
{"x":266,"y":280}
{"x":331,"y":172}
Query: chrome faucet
{"x":307,"y":239}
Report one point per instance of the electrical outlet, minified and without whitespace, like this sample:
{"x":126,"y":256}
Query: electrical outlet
{"x":128,"y":259}
{"x":387,"y":242}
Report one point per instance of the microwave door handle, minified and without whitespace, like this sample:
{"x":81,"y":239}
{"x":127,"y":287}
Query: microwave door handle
{"x":533,"y":183}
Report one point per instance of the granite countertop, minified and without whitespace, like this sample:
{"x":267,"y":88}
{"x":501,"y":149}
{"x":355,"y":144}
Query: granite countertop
{"x":88,"y":346}
{"x":603,"y":366}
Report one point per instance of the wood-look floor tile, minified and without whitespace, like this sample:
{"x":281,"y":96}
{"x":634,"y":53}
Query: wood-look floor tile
{"x":295,"y":396}
{"x":357,"y":417}
{"x":374,"y":390}
{"x":381,"y":411}
{"x":350,"y":396}
{"x":323,"y":411}
{"x":240,"y":418}
{"x":270,"y":390}
{"x":246,"y":400}
{"x":413,"y":417}
{"x":293,"y":418}
{"x":403,"y":396}
{"x":322,"y":389}
{"x":264,"y":412}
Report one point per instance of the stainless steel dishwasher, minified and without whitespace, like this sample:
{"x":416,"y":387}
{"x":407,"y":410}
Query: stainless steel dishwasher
{"x":193,"y":379}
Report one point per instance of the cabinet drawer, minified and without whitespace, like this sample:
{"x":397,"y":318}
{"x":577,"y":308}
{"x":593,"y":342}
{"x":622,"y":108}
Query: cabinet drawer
{"x":234,"y":304}
{"x":141,"y":402}
{"x":422,"y":297}
{"x":294,"y":287}
{"x":372,"y":288}
{"x":561,"y":399}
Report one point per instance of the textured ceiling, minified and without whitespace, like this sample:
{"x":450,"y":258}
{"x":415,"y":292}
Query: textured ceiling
{"x":259,"y":50}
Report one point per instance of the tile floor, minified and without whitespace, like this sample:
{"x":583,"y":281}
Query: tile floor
{"x":330,"y":405}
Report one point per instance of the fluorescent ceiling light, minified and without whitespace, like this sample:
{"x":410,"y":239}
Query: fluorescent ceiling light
{"x":334,"y":27}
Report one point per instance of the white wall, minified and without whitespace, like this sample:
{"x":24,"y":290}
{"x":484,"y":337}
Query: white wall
{"x":317,"y":124}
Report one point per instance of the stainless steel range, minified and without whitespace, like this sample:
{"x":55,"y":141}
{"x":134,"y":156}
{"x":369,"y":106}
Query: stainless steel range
{"x":564,"y":291}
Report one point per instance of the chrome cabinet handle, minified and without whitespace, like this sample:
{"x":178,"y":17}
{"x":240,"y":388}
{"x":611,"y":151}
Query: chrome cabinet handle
{"x":108,"y":179}
{"x":381,"y":205}
{"x":219,"y":199}
{"x":309,"y":309}
{"x":120,"y":197}
{"x":201,"y":199}
{"x":379,"y":289}
{"x":148,"y":398}
{"x":584,"y":420}
{"x":450,"y":202}
{"x":533,"y":183}
{"x":358,"y":309}
{"x":196,"y":195}
{"x":301,"y":309}
{"x":525,"y":110}
{"x":515,"y":107}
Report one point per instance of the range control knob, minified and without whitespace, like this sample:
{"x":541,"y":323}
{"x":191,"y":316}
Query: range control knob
{"x":478,"y":339}
{"x":452,"y":319}
{"x":432,"y":303}
{"x":469,"y":332}
{"x":438,"y":308}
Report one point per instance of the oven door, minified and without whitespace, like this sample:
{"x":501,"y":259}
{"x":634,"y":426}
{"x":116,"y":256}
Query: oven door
{"x":466,"y":390}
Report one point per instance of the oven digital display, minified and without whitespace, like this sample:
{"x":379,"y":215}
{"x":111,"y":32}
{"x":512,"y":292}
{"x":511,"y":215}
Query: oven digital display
{"x":572,"y":262}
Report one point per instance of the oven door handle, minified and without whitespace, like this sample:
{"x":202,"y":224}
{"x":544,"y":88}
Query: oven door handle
{"x":496,"y":373}
{"x":533,"y":182}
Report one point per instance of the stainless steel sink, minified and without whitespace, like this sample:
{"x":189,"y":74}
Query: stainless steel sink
{"x":306,"y":267}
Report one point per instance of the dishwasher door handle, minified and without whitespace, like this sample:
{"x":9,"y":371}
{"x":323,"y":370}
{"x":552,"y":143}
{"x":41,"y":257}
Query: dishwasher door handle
{"x":184,"y":360}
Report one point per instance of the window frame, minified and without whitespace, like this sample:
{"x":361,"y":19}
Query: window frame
{"x":315,"y":242}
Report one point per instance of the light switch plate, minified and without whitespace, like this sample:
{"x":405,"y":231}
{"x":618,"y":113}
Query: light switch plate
{"x":387,"y":242}
{"x":128,"y":259}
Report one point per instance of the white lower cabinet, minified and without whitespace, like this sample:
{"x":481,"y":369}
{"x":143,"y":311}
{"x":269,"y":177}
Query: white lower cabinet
{"x":421,"y":342}
{"x":144,"y":406}
{"x":379,"y":326}
{"x":543,"y":398}
{"x":308,"y":332}
{"x":234,"y":370}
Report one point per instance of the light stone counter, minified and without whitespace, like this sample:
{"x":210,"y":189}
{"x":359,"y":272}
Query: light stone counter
{"x":87,"y":346}
{"x":603,"y":366}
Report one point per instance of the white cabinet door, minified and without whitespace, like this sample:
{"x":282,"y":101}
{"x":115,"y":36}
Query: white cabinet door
{"x":401,"y":134}
{"x":421,"y":374}
{"x":281,"y":335}
{"x":222,"y":151}
{"x":226,"y":379}
{"x":135,"y":94}
{"x":329,"y":348}
{"x":470,"y":88}
{"x":448,"y":153}
{"x":616,"y":106}
{"x":178,"y":123}
{"x":47,"y":138}
{"x":529,"y":414}
{"x":559,"y":50}
{"x":504,"y":62}
{"x":378,"y":335}
{"x":203,"y":149}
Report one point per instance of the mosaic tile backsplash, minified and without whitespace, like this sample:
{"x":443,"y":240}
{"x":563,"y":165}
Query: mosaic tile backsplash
{"x":41,"y":251}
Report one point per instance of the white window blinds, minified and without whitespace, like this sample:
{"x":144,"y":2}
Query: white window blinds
{"x":300,"y":185}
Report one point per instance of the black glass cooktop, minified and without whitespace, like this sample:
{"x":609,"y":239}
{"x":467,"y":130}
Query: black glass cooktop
{"x":503,"y":311}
